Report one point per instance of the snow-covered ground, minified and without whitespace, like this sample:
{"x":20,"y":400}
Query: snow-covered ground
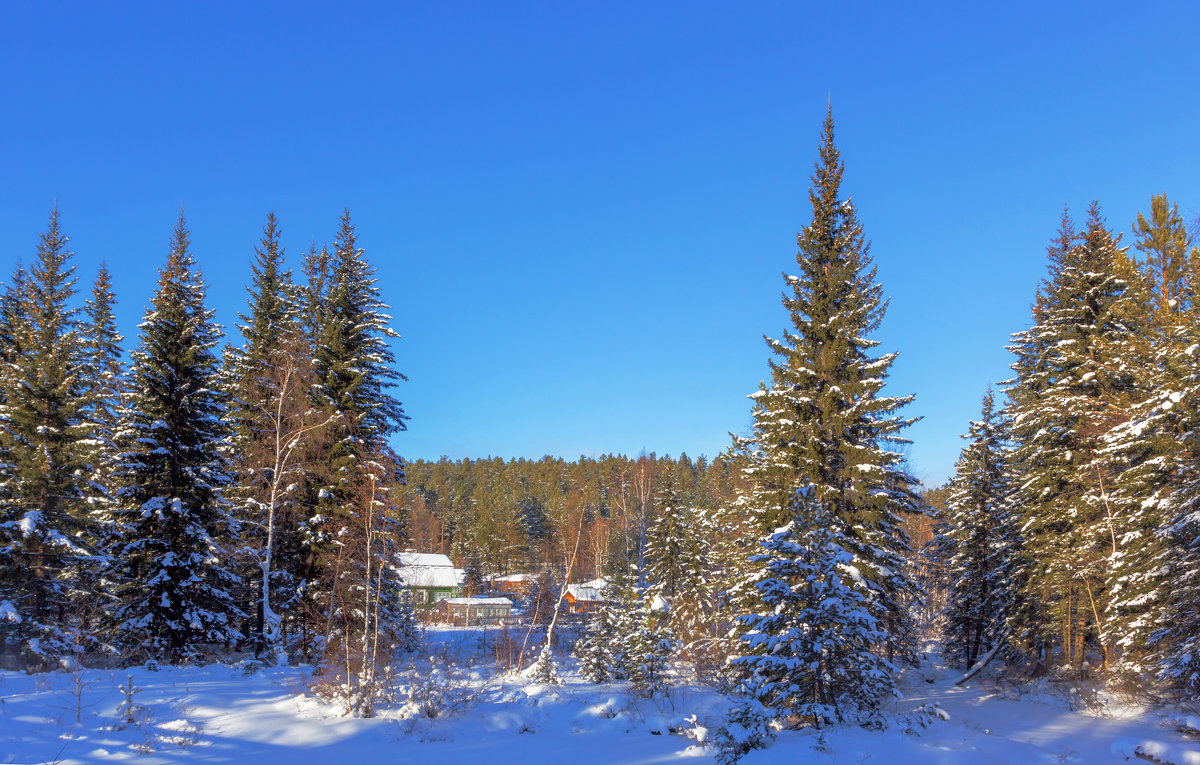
{"x":220,"y":714}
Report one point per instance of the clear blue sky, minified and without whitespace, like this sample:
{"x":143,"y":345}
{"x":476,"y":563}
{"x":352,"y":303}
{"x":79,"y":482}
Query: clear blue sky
{"x":580,"y":211}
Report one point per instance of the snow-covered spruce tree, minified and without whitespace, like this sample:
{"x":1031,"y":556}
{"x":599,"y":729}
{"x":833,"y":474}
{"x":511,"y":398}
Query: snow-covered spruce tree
{"x":596,"y":648}
{"x":1155,"y":577}
{"x":1076,"y":379}
{"x":730,"y":535}
{"x":822,"y":420}
{"x":1176,"y":641}
{"x":1030,"y":621}
{"x":105,"y":386}
{"x":355,"y":363}
{"x":810,"y":649}
{"x":44,"y":521}
{"x":1155,"y":452}
{"x":980,"y":537}
{"x":651,"y":644}
{"x":276,"y":430}
{"x":675,"y":568}
{"x":353,"y":376}
{"x":749,"y":725}
{"x":105,"y":393}
{"x":173,"y":522}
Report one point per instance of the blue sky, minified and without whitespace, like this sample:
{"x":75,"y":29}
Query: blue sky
{"x":580,"y":212}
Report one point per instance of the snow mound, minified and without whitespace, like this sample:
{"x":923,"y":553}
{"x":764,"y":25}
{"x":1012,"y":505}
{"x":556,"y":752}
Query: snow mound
{"x":1161,"y":752}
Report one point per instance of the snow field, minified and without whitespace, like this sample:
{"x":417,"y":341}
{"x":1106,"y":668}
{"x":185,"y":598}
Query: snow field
{"x":218,"y":713}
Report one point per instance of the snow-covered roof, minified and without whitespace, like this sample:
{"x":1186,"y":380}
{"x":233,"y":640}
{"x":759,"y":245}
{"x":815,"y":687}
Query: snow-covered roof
{"x":427,"y":570}
{"x":515,"y":578}
{"x":424,"y":559}
{"x":598,"y":583}
{"x":477,"y":601}
{"x":583,"y":592}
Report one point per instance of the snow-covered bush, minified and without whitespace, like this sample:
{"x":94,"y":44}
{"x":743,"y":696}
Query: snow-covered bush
{"x":748,"y":726}
{"x":437,"y":693}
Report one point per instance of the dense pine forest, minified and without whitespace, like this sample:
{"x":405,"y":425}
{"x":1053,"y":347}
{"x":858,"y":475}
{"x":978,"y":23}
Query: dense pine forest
{"x":192,"y":495}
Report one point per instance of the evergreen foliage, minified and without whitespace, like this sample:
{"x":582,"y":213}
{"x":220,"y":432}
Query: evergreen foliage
{"x":355,"y":364}
{"x":275,"y":426}
{"x":105,"y":386}
{"x":1155,"y":572}
{"x":174,"y":586}
{"x":354,"y":369}
{"x":748,"y":726}
{"x":811,"y":649}
{"x":606,"y":650}
{"x":1076,"y":380}
{"x":676,"y":569}
{"x":822,"y":420}
{"x":651,"y":645}
{"x":980,"y":538}
{"x":44,"y":520}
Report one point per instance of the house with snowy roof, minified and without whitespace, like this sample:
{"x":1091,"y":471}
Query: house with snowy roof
{"x":583,"y":598}
{"x":427,"y":578}
{"x":520,"y":585}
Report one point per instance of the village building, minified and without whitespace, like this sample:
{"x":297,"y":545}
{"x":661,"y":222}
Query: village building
{"x":583,"y":598}
{"x":520,"y":585}
{"x":471,"y":612}
{"x":427,"y":578}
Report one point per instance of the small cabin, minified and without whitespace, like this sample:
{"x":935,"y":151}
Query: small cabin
{"x":427,"y":578}
{"x":520,"y":585}
{"x":471,"y":612}
{"x":583,"y":598}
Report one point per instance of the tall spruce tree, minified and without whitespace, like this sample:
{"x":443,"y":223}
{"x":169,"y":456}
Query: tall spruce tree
{"x":44,"y":518}
{"x":354,"y":373}
{"x":1075,"y":380}
{"x":1154,"y":579}
{"x":822,"y":419}
{"x":105,"y":388}
{"x":980,"y":537}
{"x":173,"y":587}
{"x":275,"y":426}
{"x":355,"y":363}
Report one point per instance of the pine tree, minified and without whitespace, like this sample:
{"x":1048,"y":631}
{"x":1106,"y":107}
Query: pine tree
{"x":174,"y":589}
{"x":44,"y":520}
{"x":811,"y":646}
{"x":822,"y":419}
{"x":980,"y":535}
